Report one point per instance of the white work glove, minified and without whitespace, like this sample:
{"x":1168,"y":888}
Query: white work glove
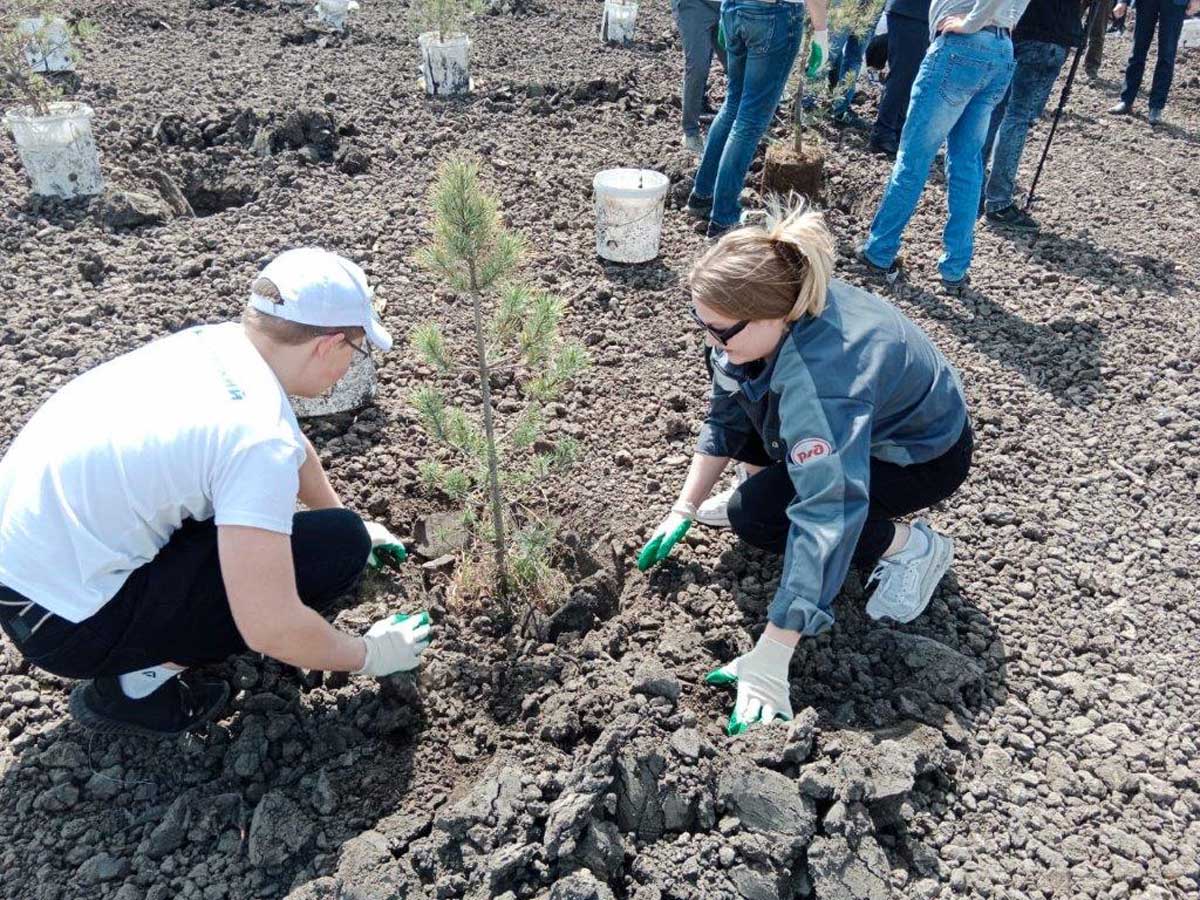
{"x":761,"y":676}
{"x":385,"y":546}
{"x":395,"y":644}
{"x":667,"y":534}
{"x":818,"y":53}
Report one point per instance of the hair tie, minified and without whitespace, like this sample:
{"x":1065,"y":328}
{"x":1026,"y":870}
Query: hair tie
{"x":791,"y":255}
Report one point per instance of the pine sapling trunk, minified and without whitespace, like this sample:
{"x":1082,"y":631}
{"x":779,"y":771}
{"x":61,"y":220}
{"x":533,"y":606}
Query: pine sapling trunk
{"x":485,"y":387}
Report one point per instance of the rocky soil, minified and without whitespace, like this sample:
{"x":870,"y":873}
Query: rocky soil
{"x":1034,"y":734}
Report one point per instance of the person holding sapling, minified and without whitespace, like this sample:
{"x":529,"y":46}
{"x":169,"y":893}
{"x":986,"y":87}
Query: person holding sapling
{"x":846,"y":417}
{"x":762,"y":38}
{"x":147,"y":511}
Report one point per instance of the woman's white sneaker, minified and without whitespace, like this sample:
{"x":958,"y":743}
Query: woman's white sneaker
{"x":905,"y":582}
{"x":714,"y":511}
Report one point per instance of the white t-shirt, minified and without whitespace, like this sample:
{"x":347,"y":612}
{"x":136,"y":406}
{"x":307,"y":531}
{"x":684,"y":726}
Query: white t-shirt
{"x":195,"y":425}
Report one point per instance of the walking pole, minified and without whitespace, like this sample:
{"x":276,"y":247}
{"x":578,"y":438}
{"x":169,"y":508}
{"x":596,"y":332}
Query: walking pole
{"x":1093,"y":10}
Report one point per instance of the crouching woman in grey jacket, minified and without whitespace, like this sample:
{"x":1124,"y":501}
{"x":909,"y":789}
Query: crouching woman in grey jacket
{"x":843,"y":416}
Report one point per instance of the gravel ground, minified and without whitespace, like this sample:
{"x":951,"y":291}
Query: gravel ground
{"x":1032,"y":735}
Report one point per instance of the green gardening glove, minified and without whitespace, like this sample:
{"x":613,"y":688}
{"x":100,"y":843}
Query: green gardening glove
{"x":385,"y":547}
{"x":720,"y":34}
{"x":667,"y":535}
{"x":818,"y":53}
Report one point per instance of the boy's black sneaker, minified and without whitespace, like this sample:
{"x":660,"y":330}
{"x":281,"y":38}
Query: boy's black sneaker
{"x":1011,"y":217}
{"x":178,"y":706}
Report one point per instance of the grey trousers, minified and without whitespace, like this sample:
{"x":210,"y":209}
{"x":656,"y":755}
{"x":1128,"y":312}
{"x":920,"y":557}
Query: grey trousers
{"x":697,"y":23}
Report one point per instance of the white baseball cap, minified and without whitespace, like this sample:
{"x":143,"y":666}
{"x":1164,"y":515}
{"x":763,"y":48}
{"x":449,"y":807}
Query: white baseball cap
{"x":320,"y":288}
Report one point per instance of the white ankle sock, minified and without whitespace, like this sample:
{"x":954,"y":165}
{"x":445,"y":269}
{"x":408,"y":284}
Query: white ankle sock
{"x":915,"y":545}
{"x":144,"y":682}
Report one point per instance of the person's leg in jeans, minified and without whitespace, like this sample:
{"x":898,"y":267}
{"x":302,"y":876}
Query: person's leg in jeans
{"x":697,"y":24}
{"x":908,"y":39}
{"x":770,"y":38}
{"x":1170,"y":27}
{"x":1143,"y":34}
{"x":943,"y":88}
{"x":1095,"y":36}
{"x":851,"y":63}
{"x":1038,"y":65}
{"x":718,"y":132}
{"x":964,"y":147}
{"x":989,"y":142}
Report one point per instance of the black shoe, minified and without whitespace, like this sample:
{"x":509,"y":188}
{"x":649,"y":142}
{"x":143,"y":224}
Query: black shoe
{"x":850,"y":119}
{"x":956,"y":288}
{"x":883,"y":148}
{"x":715,"y":231}
{"x":178,"y":706}
{"x":891,"y":274}
{"x":1011,"y":217}
{"x":698,"y":207}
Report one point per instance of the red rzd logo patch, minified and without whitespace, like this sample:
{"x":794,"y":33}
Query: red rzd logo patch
{"x":809,"y":449}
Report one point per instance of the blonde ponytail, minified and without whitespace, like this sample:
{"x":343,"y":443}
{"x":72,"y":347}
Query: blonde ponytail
{"x":780,"y":271}
{"x":800,"y":234}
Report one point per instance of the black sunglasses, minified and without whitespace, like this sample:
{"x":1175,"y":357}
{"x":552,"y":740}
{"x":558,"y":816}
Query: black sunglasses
{"x":360,"y":349}
{"x":724,"y":335}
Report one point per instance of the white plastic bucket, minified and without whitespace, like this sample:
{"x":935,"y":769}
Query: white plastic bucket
{"x":629,"y":213}
{"x":58,"y":150}
{"x":1190,"y":36}
{"x":445,"y":65}
{"x":334,"y":12}
{"x":49,"y":50}
{"x":617,"y":25}
{"x":352,"y":392}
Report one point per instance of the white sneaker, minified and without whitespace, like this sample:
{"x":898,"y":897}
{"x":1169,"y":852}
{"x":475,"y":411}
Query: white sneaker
{"x":906,"y":581}
{"x":694,"y":143}
{"x":714,"y":511}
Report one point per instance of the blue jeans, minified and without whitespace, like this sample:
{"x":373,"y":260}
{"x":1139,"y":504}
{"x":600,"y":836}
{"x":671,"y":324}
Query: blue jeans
{"x":908,"y":39}
{"x":962,"y":77}
{"x":1168,"y":14}
{"x":761,"y":42}
{"x":845,"y":59}
{"x":1038,"y":65}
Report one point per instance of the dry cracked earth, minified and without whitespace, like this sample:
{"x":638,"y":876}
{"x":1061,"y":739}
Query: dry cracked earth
{"x":1034,"y":734}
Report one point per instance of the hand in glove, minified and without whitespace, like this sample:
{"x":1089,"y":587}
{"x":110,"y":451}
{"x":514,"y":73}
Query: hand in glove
{"x":818,"y":53}
{"x":385,"y":547}
{"x":761,"y":677}
{"x":667,"y":535}
{"x":395,"y":644}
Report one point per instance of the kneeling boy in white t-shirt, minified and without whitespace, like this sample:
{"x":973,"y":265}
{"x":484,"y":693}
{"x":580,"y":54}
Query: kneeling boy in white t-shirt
{"x":147,"y":511}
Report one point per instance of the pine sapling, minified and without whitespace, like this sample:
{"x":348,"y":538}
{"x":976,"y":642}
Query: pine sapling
{"x":25,"y":51}
{"x":859,"y":18}
{"x":515,"y":331}
{"x":445,"y":17}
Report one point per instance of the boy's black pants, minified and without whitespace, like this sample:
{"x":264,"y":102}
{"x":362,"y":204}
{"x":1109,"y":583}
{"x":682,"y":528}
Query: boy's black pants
{"x":174,"y":608}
